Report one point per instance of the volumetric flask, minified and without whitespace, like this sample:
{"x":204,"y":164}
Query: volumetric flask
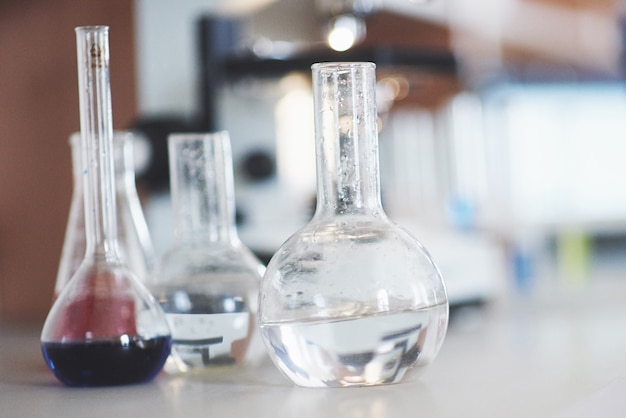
{"x":133,"y":234}
{"x":104,"y":328}
{"x":207,"y":283}
{"x":351,"y":299}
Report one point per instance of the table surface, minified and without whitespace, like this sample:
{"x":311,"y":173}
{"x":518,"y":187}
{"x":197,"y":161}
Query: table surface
{"x":557,"y":354}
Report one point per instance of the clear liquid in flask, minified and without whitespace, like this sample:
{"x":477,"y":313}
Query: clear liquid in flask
{"x":364,"y":351}
{"x":207,"y":329}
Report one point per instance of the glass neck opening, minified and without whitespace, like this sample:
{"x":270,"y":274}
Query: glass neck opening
{"x":97,"y":142}
{"x":346,"y":129}
{"x":202,"y":188}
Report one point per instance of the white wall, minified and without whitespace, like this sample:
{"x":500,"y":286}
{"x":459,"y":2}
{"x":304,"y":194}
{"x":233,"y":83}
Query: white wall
{"x":565,"y":148}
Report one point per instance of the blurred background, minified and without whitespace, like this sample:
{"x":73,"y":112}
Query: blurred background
{"x":501,"y":126}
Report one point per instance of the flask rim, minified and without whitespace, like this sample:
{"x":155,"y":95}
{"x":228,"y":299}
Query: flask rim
{"x":91,"y":28}
{"x":182,"y":137}
{"x":345,"y":65}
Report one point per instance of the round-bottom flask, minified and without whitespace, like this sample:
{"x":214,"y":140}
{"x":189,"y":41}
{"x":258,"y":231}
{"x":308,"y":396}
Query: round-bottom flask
{"x":351,"y":299}
{"x":104,"y":328}
{"x":207,"y":283}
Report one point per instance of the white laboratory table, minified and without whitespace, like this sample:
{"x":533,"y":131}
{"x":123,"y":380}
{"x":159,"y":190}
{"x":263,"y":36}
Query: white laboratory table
{"x":558,"y":354}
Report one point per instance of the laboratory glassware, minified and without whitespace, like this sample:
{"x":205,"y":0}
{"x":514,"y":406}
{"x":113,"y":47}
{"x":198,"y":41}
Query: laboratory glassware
{"x":133,"y":234}
{"x":207,"y":282}
{"x":104,"y":328}
{"x":351,"y":299}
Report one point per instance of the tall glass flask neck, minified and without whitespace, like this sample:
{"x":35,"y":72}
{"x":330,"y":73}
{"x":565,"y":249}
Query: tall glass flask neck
{"x":97,"y":141}
{"x":201,"y":177}
{"x":346,"y":136}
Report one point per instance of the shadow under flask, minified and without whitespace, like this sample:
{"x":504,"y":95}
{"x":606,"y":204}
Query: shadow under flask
{"x":104,"y":328}
{"x":133,"y":234}
{"x":207,"y":283}
{"x":351,"y":299}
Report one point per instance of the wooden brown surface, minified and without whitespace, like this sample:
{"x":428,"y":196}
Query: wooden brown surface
{"x":38,"y":111}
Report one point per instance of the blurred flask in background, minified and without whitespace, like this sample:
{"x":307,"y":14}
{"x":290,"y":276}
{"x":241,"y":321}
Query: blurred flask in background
{"x":207,"y":282}
{"x":133,"y":234}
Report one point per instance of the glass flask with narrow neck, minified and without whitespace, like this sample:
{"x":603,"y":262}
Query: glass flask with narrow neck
{"x":207,"y":283}
{"x":351,"y":299}
{"x":104,"y":328}
{"x":133,"y":234}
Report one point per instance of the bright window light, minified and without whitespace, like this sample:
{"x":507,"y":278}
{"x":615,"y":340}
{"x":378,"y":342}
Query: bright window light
{"x":344,"y":32}
{"x":341,"y":39}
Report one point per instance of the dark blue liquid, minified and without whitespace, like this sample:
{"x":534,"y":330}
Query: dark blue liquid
{"x":107,"y":363}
